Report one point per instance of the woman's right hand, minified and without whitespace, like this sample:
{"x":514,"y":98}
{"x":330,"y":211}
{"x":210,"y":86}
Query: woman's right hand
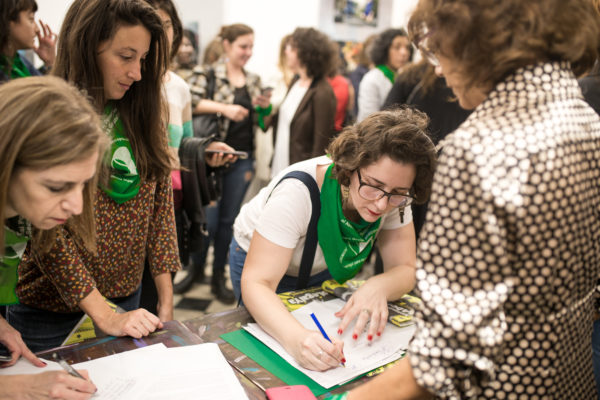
{"x":136,"y":323}
{"x":11,"y":338}
{"x":47,"y":385}
{"x":314,"y":352}
{"x":235,"y":112}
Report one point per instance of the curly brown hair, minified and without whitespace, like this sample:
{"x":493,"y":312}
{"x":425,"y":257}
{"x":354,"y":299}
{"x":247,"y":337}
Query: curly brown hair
{"x":315,"y":51}
{"x":401,"y":134}
{"x":491,"y":38}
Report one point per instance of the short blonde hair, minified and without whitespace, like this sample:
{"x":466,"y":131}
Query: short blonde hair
{"x":46,"y":122}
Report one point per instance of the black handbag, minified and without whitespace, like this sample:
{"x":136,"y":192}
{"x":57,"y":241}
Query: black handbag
{"x":206,"y":125}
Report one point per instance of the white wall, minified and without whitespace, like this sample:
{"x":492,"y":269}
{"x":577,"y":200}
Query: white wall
{"x":270,"y":19}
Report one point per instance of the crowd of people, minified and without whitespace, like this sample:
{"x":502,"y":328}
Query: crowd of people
{"x":472,"y":173}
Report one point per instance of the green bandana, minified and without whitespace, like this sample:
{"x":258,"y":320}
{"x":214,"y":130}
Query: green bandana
{"x":14,"y":247}
{"x":124,"y":178}
{"x":391,"y":75}
{"x":18,"y":70}
{"x":345,"y":244}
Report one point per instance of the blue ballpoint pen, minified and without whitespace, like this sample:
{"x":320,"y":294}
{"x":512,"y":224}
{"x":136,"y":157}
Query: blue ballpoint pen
{"x":314,"y":318}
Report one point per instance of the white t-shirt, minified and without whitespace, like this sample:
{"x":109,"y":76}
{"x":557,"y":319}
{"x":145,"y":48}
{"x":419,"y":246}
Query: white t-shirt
{"x":287,"y":110}
{"x":372,"y":92}
{"x":284,"y":218}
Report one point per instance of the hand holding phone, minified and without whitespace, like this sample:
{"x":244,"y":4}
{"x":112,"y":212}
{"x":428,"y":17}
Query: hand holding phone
{"x":240,"y":154}
{"x":295,"y":392}
{"x":266,"y":91}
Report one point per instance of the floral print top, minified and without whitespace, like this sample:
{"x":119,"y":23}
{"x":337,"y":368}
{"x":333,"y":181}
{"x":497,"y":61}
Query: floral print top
{"x":127,"y":234}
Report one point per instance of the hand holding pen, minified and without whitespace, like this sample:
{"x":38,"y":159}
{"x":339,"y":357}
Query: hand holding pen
{"x":318,"y":324}
{"x":85,"y":387}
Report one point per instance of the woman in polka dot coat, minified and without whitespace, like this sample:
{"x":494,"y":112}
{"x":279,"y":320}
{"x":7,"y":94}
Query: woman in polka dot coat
{"x":509,"y":253}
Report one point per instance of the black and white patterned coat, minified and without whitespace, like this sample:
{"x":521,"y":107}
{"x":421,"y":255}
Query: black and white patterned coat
{"x":510,"y":251}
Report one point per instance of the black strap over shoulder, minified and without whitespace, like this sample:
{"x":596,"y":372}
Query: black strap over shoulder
{"x":210,"y":84}
{"x":310,"y":245}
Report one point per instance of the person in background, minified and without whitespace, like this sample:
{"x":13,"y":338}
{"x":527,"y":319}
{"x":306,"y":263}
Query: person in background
{"x":117,"y":51}
{"x":212,"y":52}
{"x":418,"y":86}
{"x":18,"y":31}
{"x":363,"y":65}
{"x":304,"y":123}
{"x":186,"y":58}
{"x":372,"y":173}
{"x":508,"y":257}
{"x":390,"y":52}
{"x":343,"y":91}
{"x":238,"y":98}
{"x":46,"y":180}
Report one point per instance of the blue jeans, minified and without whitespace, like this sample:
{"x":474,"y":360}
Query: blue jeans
{"x":237,"y":258}
{"x":220,"y":217}
{"x":43,"y":330}
{"x":596,"y":354}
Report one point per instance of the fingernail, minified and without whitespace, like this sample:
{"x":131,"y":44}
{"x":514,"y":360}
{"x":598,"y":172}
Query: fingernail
{"x":340,"y":331}
{"x":44,"y":363}
{"x":343,"y":361}
{"x":370,"y":337}
{"x":378,"y":333}
{"x":354,"y":336}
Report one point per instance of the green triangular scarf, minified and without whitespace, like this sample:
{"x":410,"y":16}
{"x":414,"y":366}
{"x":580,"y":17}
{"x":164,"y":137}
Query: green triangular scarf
{"x":345,"y":244}
{"x":391,"y":75}
{"x":124,"y":178}
{"x":18,"y":67}
{"x":14,"y":247}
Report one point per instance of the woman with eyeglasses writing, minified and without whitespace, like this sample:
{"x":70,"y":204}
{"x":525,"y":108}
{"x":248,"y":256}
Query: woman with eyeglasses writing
{"x":374,"y":171}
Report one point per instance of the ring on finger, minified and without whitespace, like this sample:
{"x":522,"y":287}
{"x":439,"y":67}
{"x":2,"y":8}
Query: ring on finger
{"x":320,"y":354}
{"x":367,"y":311}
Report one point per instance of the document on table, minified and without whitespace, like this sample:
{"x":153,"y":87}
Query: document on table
{"x":157,"y":373}
{"x":361,"y":356}
{"x":23,"y":366}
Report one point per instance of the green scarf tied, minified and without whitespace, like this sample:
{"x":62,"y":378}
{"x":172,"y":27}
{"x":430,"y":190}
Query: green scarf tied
{"x":124,"y":178}
{"x":14,"y":247}
{"x":345,"y":244}
{"x":18,"y":67}
{"x":391,"y":75}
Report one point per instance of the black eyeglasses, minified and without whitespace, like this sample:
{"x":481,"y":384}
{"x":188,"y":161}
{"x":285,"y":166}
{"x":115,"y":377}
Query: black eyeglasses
{"x":369,"y":192}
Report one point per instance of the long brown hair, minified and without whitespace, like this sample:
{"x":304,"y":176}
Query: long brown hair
{"x":45,"y":122}
{"x":142,"y":109}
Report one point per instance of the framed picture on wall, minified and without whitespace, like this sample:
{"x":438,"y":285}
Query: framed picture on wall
{"x":356,"y":12}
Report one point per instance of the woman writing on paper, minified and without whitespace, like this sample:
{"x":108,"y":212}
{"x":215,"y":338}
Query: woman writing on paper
{"x":46,"y":180}
{"x":117,"y":51}
{"x":374,"y":171}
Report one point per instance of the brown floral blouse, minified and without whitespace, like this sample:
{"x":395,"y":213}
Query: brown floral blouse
{"x":127,"y":234}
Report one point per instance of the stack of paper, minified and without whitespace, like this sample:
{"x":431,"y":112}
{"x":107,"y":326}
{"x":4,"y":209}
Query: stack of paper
{"x":361,"y":356}
{"x":157,"y":373}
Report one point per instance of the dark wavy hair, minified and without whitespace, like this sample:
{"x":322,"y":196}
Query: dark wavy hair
{"x":169,"y":7}
{"x":9,"y":12}
{"x":381,"y":45}
{"x":315,"y":51}
{"x":491,"y":39}
{"x":142,"y":109}
{"x":401,"y":134}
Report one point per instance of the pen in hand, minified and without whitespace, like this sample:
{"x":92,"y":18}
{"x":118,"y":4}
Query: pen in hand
{"x":314,"y":318}
{"x":67,"y":367}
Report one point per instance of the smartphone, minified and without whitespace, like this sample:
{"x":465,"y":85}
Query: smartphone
{"x":5,"y":355}
{"x":241,"y":154}
{"x":295,"y":392}
{"x":266,"y":91}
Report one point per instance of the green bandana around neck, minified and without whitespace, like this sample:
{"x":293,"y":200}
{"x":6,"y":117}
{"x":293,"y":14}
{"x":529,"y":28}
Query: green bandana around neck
{"x":124,"y":178}
{"x":18,"y":67}
{"x":391,"y":75}
{"x":345,"y":244}
{"x":14,"y":247}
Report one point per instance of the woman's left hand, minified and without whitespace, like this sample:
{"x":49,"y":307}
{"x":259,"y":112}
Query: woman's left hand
{"x":368,"y":305}
{"x":262,"y":100}
{"x":219,"y":159}
{"x":46,"y":49}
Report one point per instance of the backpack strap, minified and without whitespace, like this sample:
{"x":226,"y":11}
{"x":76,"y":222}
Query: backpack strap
{"x":310,"y":245}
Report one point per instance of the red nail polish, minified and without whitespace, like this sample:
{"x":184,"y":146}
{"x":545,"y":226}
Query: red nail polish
{"x":370,"y":337}
{"x":340,"y":331}
{"x":354,"y":336}
{"x":44,"y":363}
{"x":343,"y":361}
{"x":378,"y":333}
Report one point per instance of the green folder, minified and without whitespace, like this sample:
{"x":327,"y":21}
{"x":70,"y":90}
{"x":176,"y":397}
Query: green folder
{"x":271,"y":361}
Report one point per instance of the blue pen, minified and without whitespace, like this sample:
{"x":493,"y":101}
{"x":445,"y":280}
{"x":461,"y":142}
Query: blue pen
{"x":314,"y":318}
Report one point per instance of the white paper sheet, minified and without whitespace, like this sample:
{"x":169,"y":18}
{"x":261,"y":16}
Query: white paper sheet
{"x":361,"y":357}
{"x":23,"y":366}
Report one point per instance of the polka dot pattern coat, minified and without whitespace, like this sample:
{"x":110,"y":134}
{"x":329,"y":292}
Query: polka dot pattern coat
{"x":510,"y":251}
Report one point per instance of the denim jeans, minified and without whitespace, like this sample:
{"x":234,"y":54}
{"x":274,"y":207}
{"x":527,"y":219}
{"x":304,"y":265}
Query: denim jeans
{"x":237,"y":258}
{"x":43,"y":330}
{"x":596,"y":354}
{"x":220,"y":217}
